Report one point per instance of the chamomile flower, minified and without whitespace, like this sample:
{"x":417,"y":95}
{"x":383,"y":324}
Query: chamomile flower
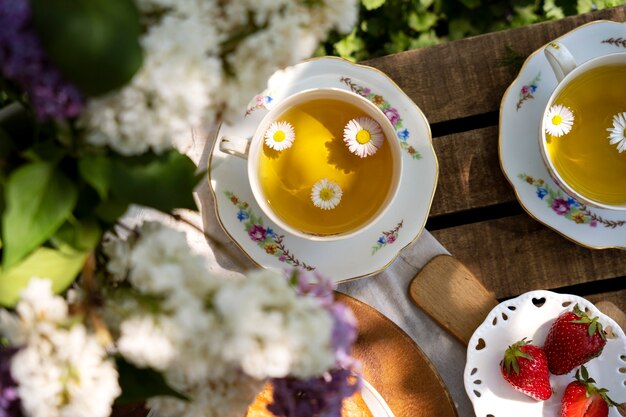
{"x":363,"y":136}
{"x":558,"y":121}
{"x":326,"y":194}
{"x":280,"y":136}
{"x":618,"y":132}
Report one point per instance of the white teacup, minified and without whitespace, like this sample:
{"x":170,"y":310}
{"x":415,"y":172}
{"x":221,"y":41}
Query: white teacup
{"x":582,"y":184}
{"x":252,"y":149}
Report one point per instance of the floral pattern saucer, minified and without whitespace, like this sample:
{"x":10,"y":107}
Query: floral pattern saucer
{"x":520,"y":116}
{"x":367,"y":253}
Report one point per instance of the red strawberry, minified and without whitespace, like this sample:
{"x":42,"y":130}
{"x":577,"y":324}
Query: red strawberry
{"x":573,"y":339}
{"x":583,"y":399}
{"x":525,"y":367}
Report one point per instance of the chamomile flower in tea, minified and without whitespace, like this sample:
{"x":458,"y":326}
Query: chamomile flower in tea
{"x":617,"y":133}
{"x":280,"y":136}
{"x":363,"y":136}
{"x":326,"y":194}
{"x":558,"y":121}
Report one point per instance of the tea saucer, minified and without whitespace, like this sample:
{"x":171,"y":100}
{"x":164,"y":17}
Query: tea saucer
{"x":520,"y":114}
{"x":375,"y":248}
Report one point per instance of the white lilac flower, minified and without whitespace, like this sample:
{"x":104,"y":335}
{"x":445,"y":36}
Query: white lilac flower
{"x":558,"y":120}
{"x":197,"y":68}
{"x":363,"y":136}
{"x":61,"y":369}
{"x":65,"y":374}
{"x":280,"y":136}
{"x":216,"y":339}
{"x":169,"y":95}
{"x":118,"y":252}
{"x":38,"y":312}
{"x":274,"y":333}
{"x":146,"y":342}
{"x":326,"y":194}
{"x":617,"y":133}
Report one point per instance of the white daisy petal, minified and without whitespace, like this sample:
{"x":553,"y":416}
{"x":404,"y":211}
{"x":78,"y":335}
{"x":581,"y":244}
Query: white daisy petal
{"x":558,"y":120}
{"x":326,"y":194}
{"x":617,"y":134}
{"x":363,"y":136}
{"x":280,"y":136}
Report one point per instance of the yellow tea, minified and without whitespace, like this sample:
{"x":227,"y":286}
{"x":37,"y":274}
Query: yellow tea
{"x":584,"y":158}
{"x":318,"y":151}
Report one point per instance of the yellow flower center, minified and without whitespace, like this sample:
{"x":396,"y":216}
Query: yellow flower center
{"x":279,"y":136}
{"x":556,"y":120}
{"x":363,"y":136}
{"x":326,"y":194}
{"x":624,"y":133}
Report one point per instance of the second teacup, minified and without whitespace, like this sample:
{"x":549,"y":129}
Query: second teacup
{"x":583,"y":129}
{"x":323,"y":164}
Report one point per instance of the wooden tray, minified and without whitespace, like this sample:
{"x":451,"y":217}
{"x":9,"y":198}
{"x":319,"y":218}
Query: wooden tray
{"x":397,"y":367}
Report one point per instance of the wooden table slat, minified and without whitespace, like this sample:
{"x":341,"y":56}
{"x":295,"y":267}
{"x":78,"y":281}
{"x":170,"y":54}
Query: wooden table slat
{"x":469,"y":172}
{"x":517,"y":254}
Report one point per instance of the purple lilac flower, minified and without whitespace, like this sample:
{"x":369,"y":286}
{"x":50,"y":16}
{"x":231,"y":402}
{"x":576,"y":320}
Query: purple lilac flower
{"x":10,"y":405}
{"x":320,"y":397}
{"x":344,"y":335}
{"x":315,"y":285}
{"x":23,"y":60}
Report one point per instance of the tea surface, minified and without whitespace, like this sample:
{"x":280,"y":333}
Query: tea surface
{"x":583,"y":157}
{"x":318,"y":152}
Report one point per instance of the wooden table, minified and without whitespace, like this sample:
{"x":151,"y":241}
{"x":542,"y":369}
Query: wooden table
{"x":475,"y":214}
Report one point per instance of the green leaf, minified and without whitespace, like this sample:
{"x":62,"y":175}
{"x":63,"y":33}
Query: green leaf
{"x":420,"y":22}
{"x":584,"y":6}
{"x":110,"y":211}
{"x":552,"y":11}
{"x":471,"y":4}
{"x":81,"y":235}
{"x":139,"y":384}
{"x":163,"y":182}
{"x":39,"y":198}
{"x":459,"y":28}
{"x":60,"y":266}
{"x":349,"y":45}
{"x":94,"y":43}
{"x":96,"y":170}
{"x":372,"y":4}
{"x":48,"y":151}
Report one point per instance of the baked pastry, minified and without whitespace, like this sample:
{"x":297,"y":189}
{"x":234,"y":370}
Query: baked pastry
{"x":352,"y":407}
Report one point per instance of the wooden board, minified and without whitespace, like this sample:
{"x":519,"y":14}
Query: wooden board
{"x":397,"y":367}
{"x":449,"y":293}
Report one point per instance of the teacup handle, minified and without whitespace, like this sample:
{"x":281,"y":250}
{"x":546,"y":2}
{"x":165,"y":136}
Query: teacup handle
{"x":235,"y":146}
{"x":560,"y":58}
